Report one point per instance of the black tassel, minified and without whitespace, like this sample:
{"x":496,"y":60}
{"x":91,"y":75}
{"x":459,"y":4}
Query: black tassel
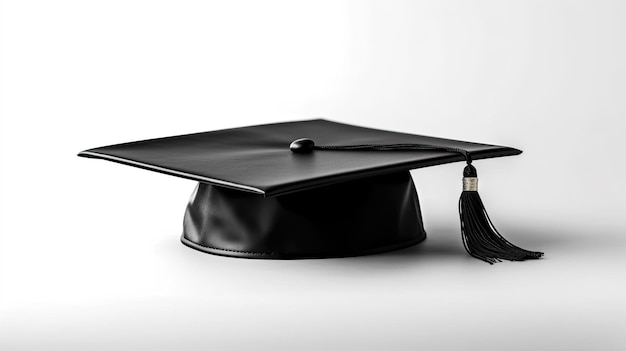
{"x":481,"y":239}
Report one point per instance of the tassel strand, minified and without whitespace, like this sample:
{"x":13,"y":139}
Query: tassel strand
{"x":480,"y":237}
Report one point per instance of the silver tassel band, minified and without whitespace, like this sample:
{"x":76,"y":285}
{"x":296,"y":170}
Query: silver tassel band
{"x":470,"y":184}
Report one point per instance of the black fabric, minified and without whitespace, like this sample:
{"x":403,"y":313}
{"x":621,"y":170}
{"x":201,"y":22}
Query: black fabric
{"x":258,"y":199}
{"x":359,"y":217}
{"x":258,"y":159}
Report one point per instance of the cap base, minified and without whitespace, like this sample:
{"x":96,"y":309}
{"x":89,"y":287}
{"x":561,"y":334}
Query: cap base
{"x":362,"y":217}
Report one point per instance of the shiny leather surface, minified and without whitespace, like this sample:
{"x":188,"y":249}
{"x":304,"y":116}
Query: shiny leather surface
{"x":257,"y":159}
{"x":359,"y":217}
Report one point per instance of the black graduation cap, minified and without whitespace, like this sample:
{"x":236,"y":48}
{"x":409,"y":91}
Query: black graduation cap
{"x":313,"y":189}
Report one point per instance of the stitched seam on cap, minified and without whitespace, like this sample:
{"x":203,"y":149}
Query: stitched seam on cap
{"x":227,"y":250}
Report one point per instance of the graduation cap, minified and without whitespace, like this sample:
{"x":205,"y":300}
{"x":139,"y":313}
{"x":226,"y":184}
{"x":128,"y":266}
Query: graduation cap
{"x":313,"y":189}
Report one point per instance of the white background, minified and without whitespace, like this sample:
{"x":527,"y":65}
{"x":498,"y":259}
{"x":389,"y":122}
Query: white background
{"x":90,"y":257}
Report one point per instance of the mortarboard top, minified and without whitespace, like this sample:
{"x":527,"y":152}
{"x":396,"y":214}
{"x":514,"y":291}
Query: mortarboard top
{"x":334,"y":202}
{"x":257,"y":159}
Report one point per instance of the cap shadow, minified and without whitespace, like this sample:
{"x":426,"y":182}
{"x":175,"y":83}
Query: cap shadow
{"x":445,"y":241}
